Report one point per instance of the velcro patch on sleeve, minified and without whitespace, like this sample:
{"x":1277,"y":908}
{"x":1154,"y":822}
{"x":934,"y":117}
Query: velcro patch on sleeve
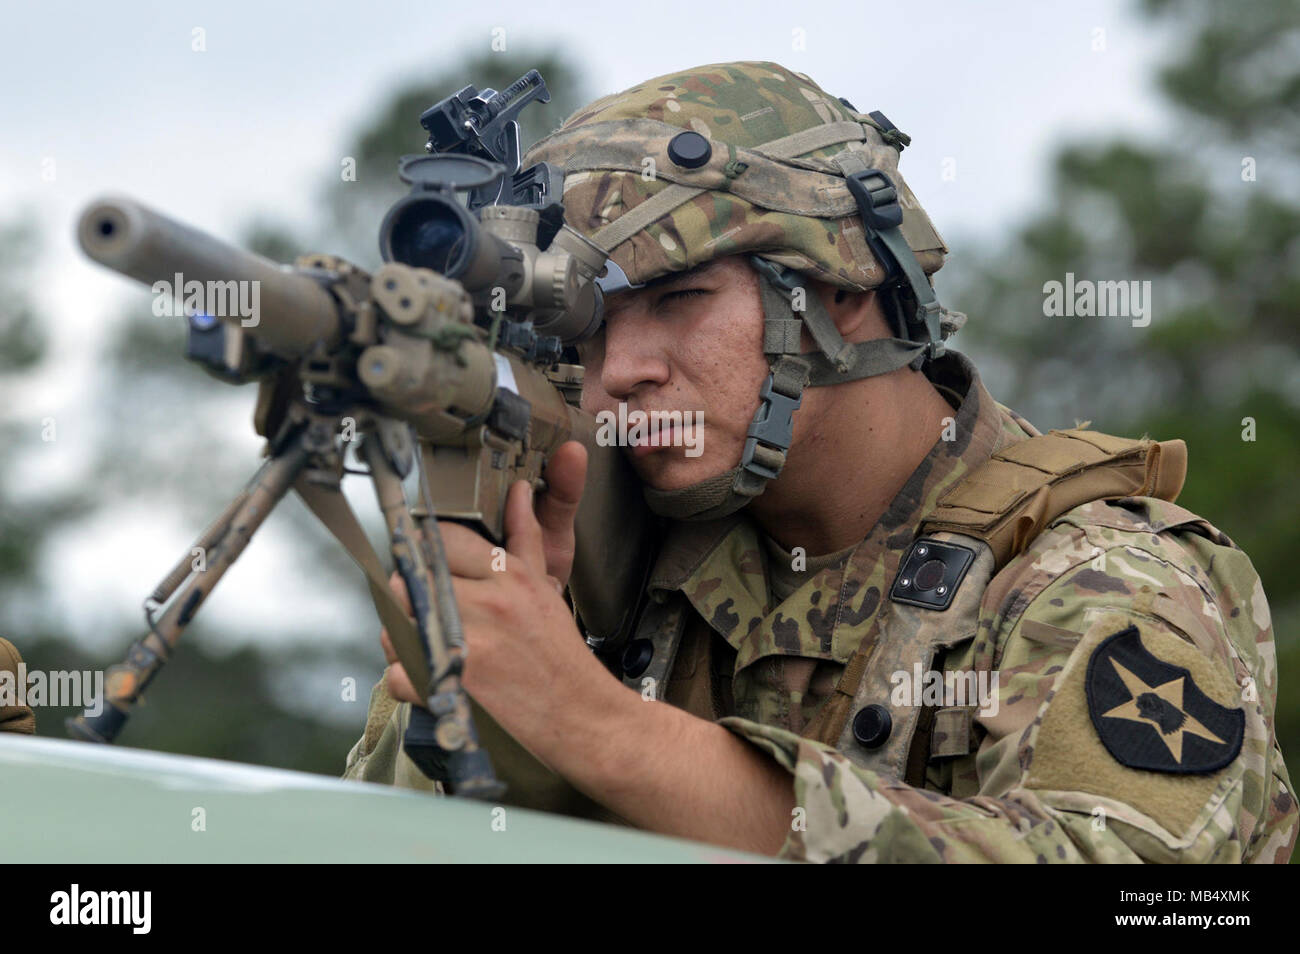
{"x":1140,"y":717}
{"x":1152,"y":715}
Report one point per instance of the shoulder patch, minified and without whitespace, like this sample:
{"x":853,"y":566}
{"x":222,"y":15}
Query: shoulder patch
{"x":1076,"y":766}
{"x":1151,"y":714}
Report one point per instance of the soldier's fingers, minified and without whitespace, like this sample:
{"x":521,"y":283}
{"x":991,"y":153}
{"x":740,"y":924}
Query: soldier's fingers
{"x":469,"y":555}
{"x":398,"y":586}
{"x":400,"y":686}
{"x":390,"y":653}
{"x":523,"y":532}
{"x":566,"y":476}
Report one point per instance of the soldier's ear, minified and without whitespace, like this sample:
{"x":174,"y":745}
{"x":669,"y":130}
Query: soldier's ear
{"x":857,"y":315}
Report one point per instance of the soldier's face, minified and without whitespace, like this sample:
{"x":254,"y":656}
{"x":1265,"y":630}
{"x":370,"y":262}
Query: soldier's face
{"x":691,"y":344}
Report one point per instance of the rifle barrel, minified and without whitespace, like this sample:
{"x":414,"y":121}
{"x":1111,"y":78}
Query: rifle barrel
{"x":294,"y":311}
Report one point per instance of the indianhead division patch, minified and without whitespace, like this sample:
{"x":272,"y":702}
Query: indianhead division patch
{"x":1151,"y":715}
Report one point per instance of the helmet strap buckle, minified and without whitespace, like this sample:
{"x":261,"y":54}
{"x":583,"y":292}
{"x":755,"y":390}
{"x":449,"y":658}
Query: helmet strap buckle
{"x":772,"y":428}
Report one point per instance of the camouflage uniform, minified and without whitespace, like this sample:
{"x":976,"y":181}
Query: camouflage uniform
{"x":1036,"y":783}
{"x":1133,"y":596}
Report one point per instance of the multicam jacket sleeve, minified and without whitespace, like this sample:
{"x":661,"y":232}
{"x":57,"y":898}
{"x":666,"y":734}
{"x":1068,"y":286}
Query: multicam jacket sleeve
{"x":1053,"y":778}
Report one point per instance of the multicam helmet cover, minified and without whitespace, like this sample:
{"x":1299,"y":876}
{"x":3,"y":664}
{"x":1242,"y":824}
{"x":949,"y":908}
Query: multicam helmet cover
{"x":752,"y":158}
{"x":793,"y":210}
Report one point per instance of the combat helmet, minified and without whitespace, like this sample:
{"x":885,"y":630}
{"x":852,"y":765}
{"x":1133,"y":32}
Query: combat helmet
{"x":751,"y":158}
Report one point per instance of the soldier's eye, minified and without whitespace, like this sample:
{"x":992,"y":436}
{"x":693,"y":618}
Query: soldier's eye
{"x":684,"y":293}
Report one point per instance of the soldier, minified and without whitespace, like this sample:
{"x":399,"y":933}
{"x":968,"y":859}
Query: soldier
{"x":895,"y":624}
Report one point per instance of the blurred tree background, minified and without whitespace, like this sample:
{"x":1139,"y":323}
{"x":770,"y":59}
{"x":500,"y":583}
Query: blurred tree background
{"x":1210,"y":215}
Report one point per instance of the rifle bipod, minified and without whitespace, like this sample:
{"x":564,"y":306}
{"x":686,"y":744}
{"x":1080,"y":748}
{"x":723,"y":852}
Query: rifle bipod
{"x":441,"y":740}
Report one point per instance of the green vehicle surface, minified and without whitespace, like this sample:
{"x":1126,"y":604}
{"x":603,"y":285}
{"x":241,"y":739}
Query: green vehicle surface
{"x":72,"y":802}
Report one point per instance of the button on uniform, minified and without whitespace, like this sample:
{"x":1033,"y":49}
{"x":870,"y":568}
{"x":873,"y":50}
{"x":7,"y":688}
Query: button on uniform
{"x":636,"y":657}
{"x":872,"y":725}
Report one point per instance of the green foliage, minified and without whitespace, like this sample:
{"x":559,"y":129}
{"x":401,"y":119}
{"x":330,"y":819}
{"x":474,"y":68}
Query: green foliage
{"x":273,"y":240}
{"x":22,"y":341}
{"x":1239,"y":70}
{"x":24,"y":518}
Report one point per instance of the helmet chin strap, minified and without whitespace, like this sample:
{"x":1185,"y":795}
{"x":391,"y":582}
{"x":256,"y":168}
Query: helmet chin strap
{"x":765,"y":449}
{"x":787,"y":307}
{"x":771,"y":431}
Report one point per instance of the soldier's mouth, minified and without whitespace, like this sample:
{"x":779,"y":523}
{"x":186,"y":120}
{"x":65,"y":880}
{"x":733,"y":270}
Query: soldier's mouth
{"x":648,"y":432}
{"x":657,"y":440}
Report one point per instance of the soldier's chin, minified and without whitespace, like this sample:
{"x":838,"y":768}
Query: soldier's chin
{"x":671,"y":469}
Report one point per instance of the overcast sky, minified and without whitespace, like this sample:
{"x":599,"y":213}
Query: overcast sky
{"x":103,"y":98}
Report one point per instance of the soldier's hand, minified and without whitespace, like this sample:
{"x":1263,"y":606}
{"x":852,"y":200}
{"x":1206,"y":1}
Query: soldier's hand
{"x":566,"y":475}
{"x":554,"y":510}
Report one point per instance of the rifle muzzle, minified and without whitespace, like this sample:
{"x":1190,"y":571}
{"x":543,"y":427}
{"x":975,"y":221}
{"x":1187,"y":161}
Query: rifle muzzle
{"x":293,"y":311}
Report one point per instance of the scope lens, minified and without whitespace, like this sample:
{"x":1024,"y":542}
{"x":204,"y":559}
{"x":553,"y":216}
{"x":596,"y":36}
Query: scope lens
{"x":430,"y":233}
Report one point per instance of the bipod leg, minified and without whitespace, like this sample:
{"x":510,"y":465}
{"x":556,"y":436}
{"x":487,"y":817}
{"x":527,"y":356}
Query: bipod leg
{"x":441,"y":738}
{"x":222,"y":543}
